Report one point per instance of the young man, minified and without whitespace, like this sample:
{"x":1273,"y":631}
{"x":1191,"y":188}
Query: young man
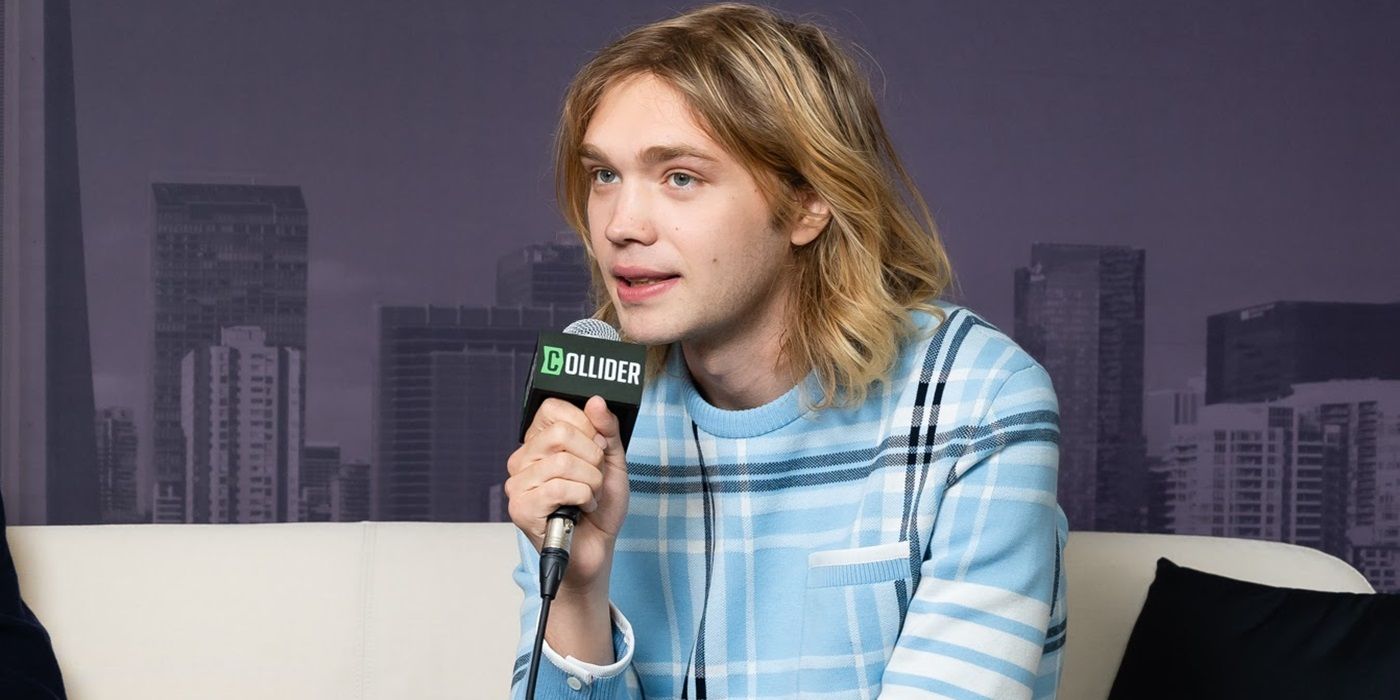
{"x":838,"y":484}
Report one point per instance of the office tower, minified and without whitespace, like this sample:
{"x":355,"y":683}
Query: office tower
{"x":320,"y":464}
{"x":449,"y":383}
{"x":350,"y":493}
{"x":1164,"y":409}
{"x":1360,"y":425}
{"x":1319,"y":467}
{"x":223,"y":256}
{"x":1251,"y":471}
{"x":1080,"y":313}
{"x":1255,"y":354}
{"x":116,"y":465}
{"x":544,"y":273}
{"x":48,"y":452}
{"x":241,"y":410}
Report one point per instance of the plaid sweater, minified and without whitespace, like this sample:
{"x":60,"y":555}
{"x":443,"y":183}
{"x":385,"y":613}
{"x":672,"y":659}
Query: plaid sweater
{"x":908,"y":547}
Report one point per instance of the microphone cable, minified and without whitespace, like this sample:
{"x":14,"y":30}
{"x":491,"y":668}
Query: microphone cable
{"x":554,"y":560}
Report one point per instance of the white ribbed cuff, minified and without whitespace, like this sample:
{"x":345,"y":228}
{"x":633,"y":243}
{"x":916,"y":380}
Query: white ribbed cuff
{"x":586,"y":672}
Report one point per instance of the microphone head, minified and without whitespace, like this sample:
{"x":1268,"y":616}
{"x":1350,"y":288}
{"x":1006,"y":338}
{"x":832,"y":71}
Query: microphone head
{"x":588,"y":359}
{"x":593,"y":328}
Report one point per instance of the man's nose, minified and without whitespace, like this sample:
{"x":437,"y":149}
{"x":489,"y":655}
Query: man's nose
{"x":630,"y":220}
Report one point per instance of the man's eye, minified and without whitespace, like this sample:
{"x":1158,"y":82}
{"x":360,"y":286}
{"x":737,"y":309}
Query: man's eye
{"x":603,"y":177}
{"x":682,"y":179}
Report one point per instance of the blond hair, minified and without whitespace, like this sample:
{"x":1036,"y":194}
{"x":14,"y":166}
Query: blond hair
{"x":797,"y":112}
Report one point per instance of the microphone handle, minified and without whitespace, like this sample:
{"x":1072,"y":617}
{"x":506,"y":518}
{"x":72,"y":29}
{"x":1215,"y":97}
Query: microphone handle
{"x":570,"y":512}
{"x":559,"y":533}
{"x":554,"y":555}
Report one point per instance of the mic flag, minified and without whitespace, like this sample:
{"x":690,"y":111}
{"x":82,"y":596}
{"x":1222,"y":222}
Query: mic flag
{"x":587,"y":359}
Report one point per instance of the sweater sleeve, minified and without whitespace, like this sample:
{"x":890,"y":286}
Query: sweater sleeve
{"x":564,"y":677}
{"x":987,"y":617}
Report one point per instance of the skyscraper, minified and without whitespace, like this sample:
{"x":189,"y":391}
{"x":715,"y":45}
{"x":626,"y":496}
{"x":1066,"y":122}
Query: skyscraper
{"x":1256,"y":471}
{"x":350,"y":493}
{"x":223,"y":255}
{"x":1319,"y":467}
{"x":1164,"y":409}
{"x":116,"y":465}
{"x":320,"y":464}
{"x":449,"y":384}
{"x":1080,"y":313}
{"x":1360,"y":425}
{"x":1256,"y":354}
{"x":241,"y":415}
{"x":48,"y":453}
{"x":542,"y":274}
{"x":1167,"y":412}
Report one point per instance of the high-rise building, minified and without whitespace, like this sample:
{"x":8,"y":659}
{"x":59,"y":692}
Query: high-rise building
{"x":1164,"y":409}
{"x":1360,"y":425}
{"x":1255,"y":471}
{"x":241,"y":413}
{"x":320,"y":464}
{"x":223,"y":256}
{"x":1165,"y":413}
{"x":48,"y":452}
{"x":1256,"y":354}
{"x":544,"y":273}
{"x":350,"y":493}
{"x":449,"y":383}
{"x":1319,"y":467}
{"x":1080,"y":313}
{"x":116,"y":465}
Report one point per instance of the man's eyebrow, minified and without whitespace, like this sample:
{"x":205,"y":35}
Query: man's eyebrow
{"x":652,"y":155}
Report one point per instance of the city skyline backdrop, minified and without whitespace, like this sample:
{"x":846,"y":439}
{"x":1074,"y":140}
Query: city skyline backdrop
{"x":1249,"y":150}
{"x":1276,"y":416}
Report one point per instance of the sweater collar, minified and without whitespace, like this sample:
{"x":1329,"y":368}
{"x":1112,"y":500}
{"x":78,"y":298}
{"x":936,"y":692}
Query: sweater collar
{"x":742,"y":423}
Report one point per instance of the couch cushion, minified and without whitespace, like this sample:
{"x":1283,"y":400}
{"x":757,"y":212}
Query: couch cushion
{"x":199,"y":611}
{"x":1201,"y":635}
{"x":1109,"y":573}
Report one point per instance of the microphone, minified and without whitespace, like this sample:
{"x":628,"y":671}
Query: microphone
{"x":587,"y":359}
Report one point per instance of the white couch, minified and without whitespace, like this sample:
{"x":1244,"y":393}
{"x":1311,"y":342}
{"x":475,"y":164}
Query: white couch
{"x":401,"y":611}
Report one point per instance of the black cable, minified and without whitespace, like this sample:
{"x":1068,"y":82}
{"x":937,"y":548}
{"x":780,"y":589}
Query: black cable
{"x":554,"y":560}
{"x":539,"y":645}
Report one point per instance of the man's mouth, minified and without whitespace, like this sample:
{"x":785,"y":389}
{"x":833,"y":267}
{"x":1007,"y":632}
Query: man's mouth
{"x":644,"y":281}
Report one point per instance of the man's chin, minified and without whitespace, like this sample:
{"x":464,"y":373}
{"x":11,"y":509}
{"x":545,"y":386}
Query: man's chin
{"x":635,"y":330}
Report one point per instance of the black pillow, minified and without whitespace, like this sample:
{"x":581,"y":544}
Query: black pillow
{"x":1206,"y":636}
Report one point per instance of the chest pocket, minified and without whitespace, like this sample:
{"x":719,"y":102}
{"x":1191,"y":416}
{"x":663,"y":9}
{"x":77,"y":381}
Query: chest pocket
{"x":851,"y":615}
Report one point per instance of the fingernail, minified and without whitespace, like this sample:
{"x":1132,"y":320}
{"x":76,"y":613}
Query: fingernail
{"x":601,"y":442}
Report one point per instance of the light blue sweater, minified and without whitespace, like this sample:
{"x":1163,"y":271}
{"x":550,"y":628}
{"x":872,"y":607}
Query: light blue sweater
{"x":908,"y":547}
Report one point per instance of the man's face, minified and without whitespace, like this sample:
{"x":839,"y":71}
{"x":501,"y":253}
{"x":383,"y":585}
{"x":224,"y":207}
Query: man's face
{"x":680,"y":229}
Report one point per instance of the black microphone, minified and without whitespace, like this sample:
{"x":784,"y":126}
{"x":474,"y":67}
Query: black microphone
{"x":588,"y":359}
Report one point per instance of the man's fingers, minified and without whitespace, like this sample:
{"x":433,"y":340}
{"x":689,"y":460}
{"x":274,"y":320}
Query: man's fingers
{"x":560,"y":492}
{"x":553,"y":411}
{"x":559,"y":437}
{"x":560,"y":465}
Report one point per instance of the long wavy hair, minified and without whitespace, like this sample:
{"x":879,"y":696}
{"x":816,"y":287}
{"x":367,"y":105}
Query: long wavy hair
{"x":796,"y":110}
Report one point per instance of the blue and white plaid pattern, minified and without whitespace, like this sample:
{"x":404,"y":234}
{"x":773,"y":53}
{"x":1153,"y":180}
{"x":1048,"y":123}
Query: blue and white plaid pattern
{"x":906,"y":548}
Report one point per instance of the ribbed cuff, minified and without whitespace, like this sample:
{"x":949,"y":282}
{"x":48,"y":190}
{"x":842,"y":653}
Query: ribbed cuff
{"x":567,"y":678}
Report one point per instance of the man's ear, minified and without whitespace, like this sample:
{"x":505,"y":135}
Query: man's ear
{"x":812,"y":219}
